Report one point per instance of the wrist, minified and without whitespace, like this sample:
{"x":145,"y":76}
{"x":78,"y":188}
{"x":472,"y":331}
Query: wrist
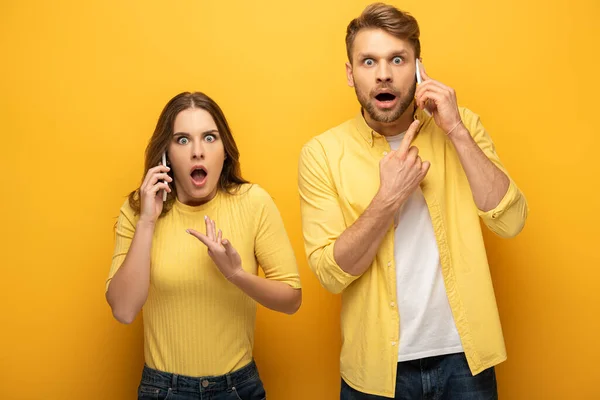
{"x":384,"y":204}
{"x":460,"y":136}
{"x":458,"y":130}
{"x":145,"y":223}
{"x":236,"y":277}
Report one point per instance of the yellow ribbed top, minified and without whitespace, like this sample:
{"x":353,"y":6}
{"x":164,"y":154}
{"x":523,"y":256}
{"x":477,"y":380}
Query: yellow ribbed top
{"x":196,"y":323}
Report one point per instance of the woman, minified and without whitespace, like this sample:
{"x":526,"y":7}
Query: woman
{"x":199,"y":290}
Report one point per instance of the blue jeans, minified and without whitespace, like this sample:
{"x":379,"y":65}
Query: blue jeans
{"x":436,"y":378}
{"x":243,"y":384}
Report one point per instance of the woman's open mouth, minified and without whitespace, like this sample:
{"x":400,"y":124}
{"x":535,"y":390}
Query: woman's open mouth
{"x":199,"y":176}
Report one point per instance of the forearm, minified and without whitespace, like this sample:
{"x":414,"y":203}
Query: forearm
{"x":488,"y":183}
{"x":355,"y":249}
{"x":128,"y":289}
{"x":275,"y":295}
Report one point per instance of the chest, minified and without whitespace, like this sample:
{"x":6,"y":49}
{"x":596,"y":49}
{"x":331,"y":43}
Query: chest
{"x":356,"y":171}
{"x":180,"y":262}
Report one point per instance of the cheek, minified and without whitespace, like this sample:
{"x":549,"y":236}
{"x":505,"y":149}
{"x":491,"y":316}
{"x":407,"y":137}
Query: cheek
{"x":176,"y":162}
{"x":407,"y":79}
{"x":179,"y":174}
{"x":218,"y":158}
{"x":363,"y":84}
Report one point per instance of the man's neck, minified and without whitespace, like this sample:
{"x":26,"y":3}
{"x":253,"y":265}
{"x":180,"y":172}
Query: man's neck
{"x":395,"y":127}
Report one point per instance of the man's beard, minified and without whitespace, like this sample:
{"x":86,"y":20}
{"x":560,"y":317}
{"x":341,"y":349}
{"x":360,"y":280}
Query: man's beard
{"x":385,"y":116}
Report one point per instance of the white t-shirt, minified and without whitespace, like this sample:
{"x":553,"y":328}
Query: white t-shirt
{"x":427,"y":327}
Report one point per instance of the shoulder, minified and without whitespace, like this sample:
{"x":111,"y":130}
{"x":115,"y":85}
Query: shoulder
{"x":331,"y":136}
{"x":258,"y":196}
{"x":126,"y":211}
{"x":249,"y":195}
{"x":127,"y":219}
{"x":329,"y":140}
{"x":469,"y":117}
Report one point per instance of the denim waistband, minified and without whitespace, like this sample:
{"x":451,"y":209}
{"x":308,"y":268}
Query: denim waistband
{"x":165,"y":380}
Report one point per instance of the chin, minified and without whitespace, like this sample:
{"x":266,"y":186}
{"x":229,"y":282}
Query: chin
{"x":197,"y":196}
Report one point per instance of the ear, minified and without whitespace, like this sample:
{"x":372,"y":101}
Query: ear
{"x":349,"y":75}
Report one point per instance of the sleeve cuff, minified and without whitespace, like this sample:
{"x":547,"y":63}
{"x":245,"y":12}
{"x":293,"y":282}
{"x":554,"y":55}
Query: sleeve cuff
{"x":340,"y":277}
{"x":506,"y":201}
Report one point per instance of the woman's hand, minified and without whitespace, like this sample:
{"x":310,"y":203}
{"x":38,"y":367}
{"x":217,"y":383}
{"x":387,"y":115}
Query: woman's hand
{"x":220,"y":250}
{"x":151,"y":200}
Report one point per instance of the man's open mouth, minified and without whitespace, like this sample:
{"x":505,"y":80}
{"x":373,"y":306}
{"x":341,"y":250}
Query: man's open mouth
{"x":385,"y":97}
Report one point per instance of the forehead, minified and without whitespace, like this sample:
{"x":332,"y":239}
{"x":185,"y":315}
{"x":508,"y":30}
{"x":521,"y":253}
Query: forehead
{"x":194,"y":120}
{"x":379,"y":43}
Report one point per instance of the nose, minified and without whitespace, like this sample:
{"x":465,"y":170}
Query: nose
{"x":384,"y":73}
{"x":198,"y":150}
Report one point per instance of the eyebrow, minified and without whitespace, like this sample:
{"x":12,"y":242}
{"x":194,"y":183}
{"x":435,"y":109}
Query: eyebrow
{"x":204,"y":133}
{"x":362,"y":56}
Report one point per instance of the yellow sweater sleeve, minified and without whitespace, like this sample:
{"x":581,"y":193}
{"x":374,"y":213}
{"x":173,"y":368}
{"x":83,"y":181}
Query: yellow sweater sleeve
{"x":124,"y":232}
{"x":272,"y":246}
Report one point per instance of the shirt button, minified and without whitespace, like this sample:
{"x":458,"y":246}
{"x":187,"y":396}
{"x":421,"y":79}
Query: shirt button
{"x":392,"y":304}
{"x":393,"y":343}
{"x":385,"y":153}
{"x":389,"y":263}
{"x":204,"y":383}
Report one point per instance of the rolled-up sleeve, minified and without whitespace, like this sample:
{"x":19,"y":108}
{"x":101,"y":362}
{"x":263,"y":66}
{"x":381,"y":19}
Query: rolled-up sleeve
{"x":322,"y":218}
{"x":508,"y":218}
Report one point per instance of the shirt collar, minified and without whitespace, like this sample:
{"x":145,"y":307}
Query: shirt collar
{"x":369,"y":134}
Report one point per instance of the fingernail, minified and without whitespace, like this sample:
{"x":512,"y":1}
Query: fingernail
{"x":206,"y":217}
{"x":187,"y":231}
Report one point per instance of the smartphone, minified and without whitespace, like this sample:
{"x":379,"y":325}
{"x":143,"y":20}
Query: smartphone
{"x":419,"y":80}
{"x":164,"y":162}
{"x":418,"y":72}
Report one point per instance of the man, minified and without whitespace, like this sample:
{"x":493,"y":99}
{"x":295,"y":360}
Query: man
{"x":391,"y":202}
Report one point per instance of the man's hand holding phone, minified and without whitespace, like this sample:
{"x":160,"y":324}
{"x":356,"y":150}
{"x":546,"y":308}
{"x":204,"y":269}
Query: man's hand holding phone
{"x":438,"y":100}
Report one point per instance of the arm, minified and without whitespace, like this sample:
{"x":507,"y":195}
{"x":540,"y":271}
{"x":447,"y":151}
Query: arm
{"x":506,"y":213}
{"x":488,"y":183}
{"x":128,"y":288}
{"x":338,"y":254}
{"x":129,"y":277}
{"x":280,"y":289}
{"x":500,"y":204}
{"x":355,"y":249}
{"x":322,"y":219}
{"x":277,"y":296}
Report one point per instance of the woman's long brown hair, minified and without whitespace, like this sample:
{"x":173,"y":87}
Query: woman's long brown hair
{"x":231,"y":177}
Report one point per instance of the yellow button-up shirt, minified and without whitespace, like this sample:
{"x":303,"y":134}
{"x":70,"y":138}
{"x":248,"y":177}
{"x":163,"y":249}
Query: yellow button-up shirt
{"x":338,"y":178}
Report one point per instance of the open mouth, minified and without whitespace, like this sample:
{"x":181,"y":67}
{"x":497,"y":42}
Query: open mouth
{"x":385,"y":97}
{"x":199,"y":175}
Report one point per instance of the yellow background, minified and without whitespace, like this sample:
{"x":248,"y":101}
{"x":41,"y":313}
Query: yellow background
{"x":82,"y":84}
